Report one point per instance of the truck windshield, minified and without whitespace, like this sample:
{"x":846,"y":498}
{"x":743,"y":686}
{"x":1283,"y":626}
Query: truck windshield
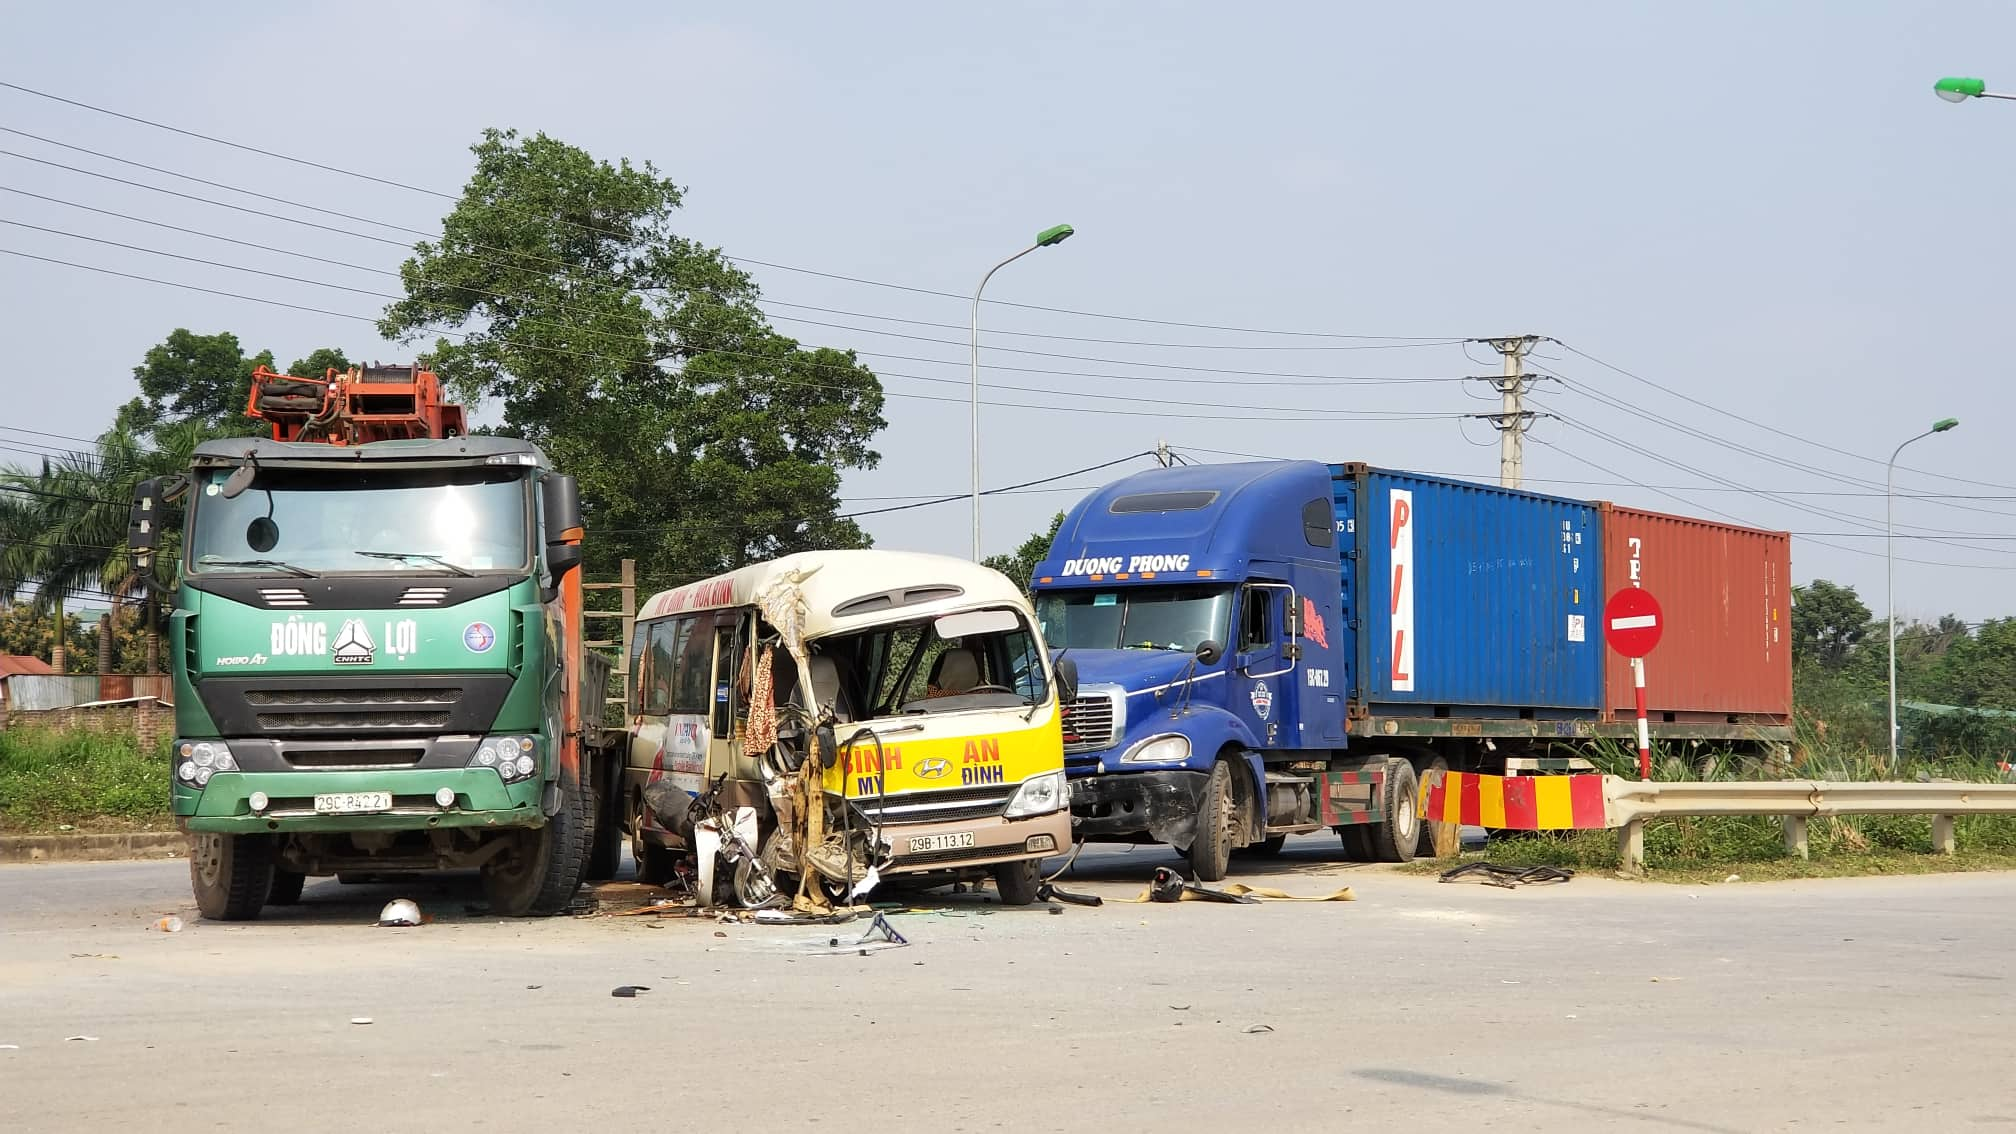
{"x":1146,"y":618}
{"x":327,"y":520}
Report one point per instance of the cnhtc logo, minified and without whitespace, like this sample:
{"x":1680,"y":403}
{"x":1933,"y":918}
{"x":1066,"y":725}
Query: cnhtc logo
{"x":354,"y":645}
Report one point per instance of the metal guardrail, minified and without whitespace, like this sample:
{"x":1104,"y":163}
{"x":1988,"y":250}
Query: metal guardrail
{"x":1628,"y":804}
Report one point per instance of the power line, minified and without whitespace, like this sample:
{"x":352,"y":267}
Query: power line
{"x":739,"y":259}
{"x":1297,"y":413}
{"x":1731,"y":414}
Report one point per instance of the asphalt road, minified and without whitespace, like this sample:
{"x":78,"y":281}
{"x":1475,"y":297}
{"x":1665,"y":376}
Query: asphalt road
{"x":1860,"y":1004}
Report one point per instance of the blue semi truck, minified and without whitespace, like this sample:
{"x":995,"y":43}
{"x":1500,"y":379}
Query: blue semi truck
{"x":1272,"y":648}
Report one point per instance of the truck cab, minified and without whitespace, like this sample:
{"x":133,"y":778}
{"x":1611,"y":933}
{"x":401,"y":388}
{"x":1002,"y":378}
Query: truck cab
{"x":1201,"y":606}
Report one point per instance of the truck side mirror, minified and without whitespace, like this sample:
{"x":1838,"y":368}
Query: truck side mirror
{"x":560,"y":503}
{"x":1067,"y":680}
{"x":143,"y":522}
{"x":1209,"y":651}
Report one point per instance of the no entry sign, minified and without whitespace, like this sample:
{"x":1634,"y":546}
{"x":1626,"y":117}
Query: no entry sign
{"x":1632,"y":622}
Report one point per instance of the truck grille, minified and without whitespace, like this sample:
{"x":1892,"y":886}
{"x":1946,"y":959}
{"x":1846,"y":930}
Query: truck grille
{"x":951,"y":805}
{"x":354,"y":707}
{"x":284,"y":710}
{"x":1090,"y":723}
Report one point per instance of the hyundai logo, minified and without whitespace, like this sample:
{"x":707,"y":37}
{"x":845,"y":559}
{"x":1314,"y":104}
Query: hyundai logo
{"x":933,"y":769}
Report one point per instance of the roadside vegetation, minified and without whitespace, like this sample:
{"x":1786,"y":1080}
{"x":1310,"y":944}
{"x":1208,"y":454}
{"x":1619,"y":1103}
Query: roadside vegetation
{"x":90,"y":780}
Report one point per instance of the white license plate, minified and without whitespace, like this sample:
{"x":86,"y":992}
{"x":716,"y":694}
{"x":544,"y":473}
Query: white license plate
{"x":353,"y":803}
{"x":958,"y":841}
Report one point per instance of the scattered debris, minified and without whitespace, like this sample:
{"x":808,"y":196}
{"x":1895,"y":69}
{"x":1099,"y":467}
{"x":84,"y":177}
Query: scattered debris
{"x":94,"y":956}
{"x":1256,"y":1029}
{"x":10,"y":1047}
{"x":1734,"y":878}
{"x":534,"y":986}
{"x":1049,"y":892}
{"x":169,"y":924}
{"x":80,"y":1039}
{"x":65,"y":827}
{"x":1507,"y":877}
{"x":1169,"y":886}
{"x":629,"y":991}
{"x":398,"y":913}
{"x":1179,"y":1007}
{"x":360,"y":1019}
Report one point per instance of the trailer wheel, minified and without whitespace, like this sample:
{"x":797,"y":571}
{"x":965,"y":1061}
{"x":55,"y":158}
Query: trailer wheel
{"x":231,"y":874}
{"x":1395,"y":839}
{"x":1434,"y":833}
{"x":1211,"y":849}
{"x":539,"y":870}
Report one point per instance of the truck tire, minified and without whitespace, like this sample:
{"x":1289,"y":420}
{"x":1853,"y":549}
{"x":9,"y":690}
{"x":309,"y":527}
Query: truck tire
{"x":1429,"y":831}
{"x":1395,"y":839}
{"x":231,"y":875}
{"x":539,"y":871}
{"x":1269,"y":847}
{"x":1357,"y":838}
{"x":286,"y":889}
{"x":1018,"y":881}
{"x":607,"y":853}
{"x":1211,"y":849}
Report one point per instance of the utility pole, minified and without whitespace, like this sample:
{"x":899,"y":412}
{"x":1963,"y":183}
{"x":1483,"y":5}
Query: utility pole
{"x":1162,"y":454}
{"x":1512,"y":418}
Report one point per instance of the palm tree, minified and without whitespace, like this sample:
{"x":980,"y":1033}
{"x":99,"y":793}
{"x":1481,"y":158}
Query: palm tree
{"x":63,"y":530}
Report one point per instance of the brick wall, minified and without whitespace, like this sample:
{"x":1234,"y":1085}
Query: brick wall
{"x":148,"y":720}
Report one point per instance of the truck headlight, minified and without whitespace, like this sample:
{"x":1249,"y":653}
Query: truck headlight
{"x":1038,"y":795}
{"x":197,"y":760}
{"x":514,"y":757}
{"x":1169,"y":748}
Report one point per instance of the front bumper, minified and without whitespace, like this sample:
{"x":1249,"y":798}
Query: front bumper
{"x":1161,"y":803}
{"x":995,"y":840}
{"x":482,"y":799}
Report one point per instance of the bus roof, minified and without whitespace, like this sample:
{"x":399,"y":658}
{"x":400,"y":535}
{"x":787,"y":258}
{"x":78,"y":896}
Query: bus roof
{"x":850,"y":588}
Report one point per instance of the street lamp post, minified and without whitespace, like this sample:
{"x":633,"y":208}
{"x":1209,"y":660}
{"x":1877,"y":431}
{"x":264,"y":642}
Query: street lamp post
{"x":1049,"y":236}
{"x":1890,"y":569}
{"x":1960,"y":90}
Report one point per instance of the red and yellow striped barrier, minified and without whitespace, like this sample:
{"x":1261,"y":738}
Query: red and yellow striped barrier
{"x":1514,"y":803}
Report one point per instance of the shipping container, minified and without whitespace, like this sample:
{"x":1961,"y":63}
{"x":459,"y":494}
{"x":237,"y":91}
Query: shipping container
{"x":1725,"y":592}
{"x":1468,"y":600}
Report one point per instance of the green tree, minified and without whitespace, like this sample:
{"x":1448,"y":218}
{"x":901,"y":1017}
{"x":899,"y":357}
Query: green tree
{"x":319,"y":363}
{"x":194,"y":378}
{"x":639,"y":361}
{"x":1828,"y":623}
{"x":1980,"y":671}
{"x":1021,"y":566}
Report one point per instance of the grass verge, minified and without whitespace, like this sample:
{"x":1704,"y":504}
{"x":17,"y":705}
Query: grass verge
{"x":93,"y":781}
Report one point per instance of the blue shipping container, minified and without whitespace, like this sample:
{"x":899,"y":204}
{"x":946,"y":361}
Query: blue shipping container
{"x":1468,"y":599}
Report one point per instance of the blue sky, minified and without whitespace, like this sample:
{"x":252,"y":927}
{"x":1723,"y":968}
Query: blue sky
{"x":1761,"y":208}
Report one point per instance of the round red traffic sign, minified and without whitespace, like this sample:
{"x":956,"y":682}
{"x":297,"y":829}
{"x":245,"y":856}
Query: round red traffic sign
{"x":1633,"y":622}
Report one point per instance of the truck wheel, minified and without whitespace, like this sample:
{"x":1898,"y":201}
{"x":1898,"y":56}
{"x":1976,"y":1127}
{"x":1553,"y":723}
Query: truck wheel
{"x":539,"y":870}
{"x":1432,"y":833}
{"x":1211,"y":850}
{"x":1357,"y":839}
{"x":1269,"y":847}
{"x":1017,"y":881}
{"x":607,"y":854}
{"x":286,"y":889}
{"x":231,"y":875}
{"x":1395,"y":839}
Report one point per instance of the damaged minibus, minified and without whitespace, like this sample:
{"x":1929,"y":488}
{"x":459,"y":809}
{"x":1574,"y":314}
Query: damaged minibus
{"x":803,"y":728}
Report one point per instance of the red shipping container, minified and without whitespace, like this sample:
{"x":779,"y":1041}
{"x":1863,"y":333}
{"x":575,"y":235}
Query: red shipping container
{"x":1726,"y":591}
